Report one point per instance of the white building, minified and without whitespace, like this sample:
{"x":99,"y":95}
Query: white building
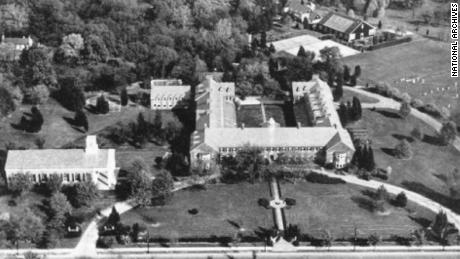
{"x":19,"y":43}
{"x":73,"y":165}
{"x":167,"y":94}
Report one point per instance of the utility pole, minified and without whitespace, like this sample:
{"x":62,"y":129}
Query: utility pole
{"x":148,"y":242}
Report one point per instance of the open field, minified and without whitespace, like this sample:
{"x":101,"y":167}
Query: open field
{"x":426,"y":59}
{"x":220,"y":209}
{"x":336,"y":208}
{"x":431,"y":164}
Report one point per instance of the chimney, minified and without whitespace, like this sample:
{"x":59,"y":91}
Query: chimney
{"x":91,"y":145}
{"x":299,"y":124}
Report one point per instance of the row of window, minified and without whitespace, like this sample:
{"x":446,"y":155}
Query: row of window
{"x":66,"y":177}
{"x":274,"y":149}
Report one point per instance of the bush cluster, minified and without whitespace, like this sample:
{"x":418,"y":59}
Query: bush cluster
{"x":323,"y":179}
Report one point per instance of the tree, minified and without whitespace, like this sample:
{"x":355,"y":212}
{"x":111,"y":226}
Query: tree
{"x":7,"y":105}
{"x":343,"y":114}
{"x":25,"y":226}
{"x":36,"y":121}
{"x":401,"y":200}
{"x":417,"y":133}
{"x":102,"y":105}
{"x":60,"y":208}
{"x":374,"y":239}
{"x":37,"y":68}
{"x":81,"y":194}
{"x":81,"y":120}
{"x":369,"y":161}
{"x":357,"y":73}
{"x":346,"y":73}
{"x":37,"y":94}
{"x":353,"y":80}
{"x":380,"y":24}
{"x":301,"y":52}
{"x":403,"y":150}
{"x":54,"y":183}
{"x":139,"y":182}
{"x":71,"y":95}
{"x":114,"y":217}
{"x":271,"y":48}
{"x":338,"y":93}
{"x":40,"y":142}
{"x":124,"y":97}
{"x":448,"y":132}
{"x":20,"y":183}
{"x":441,"y":228}
{"x":404,"y":109}
{"x":356,"y":108}
{"x":162,"y":185}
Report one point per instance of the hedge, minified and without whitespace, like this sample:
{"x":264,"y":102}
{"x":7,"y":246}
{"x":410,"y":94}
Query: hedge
{"x":390,"y":43}
{"x":323,"y":179}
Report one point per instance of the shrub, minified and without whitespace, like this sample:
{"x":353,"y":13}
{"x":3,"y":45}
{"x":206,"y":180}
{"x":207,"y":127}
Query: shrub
{"x":105,"y":242}
{"x":70,"y":95}
{"x":417,"y":103}
{"x":380,"y":173}
{"x":20,"y":183}
{"x":417,"y":133}
{"x":400,"y":200}
{"x":102,"y":105}
{"x":405,"y":109}
{"x":323,"y":179}
{"x":403,"y":150}
{"x":364,"y":174}
{"x":432,"y":109}
{"x":36,"y":95}
{"x":263,"y":203}
{"x":290,"y":201}
{"x":448,"y":132}
{"x":7,"y":105}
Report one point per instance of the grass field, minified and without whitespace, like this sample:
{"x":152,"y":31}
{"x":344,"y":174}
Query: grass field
{"x":251,"y":115}
{"x":335,"y":208}
{"x":431,"y":163}
{"x":348,"y":96}
{"x":427,"y":59}
{"x":56,"y":130}
{"x":220,"y":209}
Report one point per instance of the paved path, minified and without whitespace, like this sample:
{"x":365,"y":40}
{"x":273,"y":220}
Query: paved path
{"x":412,"y":196}
{"x":388,"y":103}
{"x":276,"y":198}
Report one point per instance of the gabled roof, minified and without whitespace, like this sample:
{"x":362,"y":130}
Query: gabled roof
{"x":57,"y":159}
{"x":341,"y":22}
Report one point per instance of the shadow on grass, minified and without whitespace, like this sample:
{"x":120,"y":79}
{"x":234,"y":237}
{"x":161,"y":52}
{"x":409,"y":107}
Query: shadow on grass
{"x":389,"y":114}
{"x":433,"y":140}
{"x":424,"y":222}
{"x":442,"y":199}
{"x":363,"y":203}
{"x":402,"y":137}
{"x":388,"y":151}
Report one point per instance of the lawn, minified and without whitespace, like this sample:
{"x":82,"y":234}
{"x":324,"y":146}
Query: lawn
{"x":250,"y":115}
{"x":56,"y":130}
{"x":431,"y":163}
{"x":220,"y":209}
{"x":422,"y":58}
{"x":348,"y":96}
{"x":276,"y":112}
{"x":336,"y":208}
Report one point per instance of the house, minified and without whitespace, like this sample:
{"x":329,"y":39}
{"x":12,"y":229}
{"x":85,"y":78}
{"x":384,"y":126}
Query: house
{"x":73,"y":165}
{"x":345,"y":27}
{"x":11,"y":48}
{"x":166,"y":94}
{"x":301,"y":10}
{"x":217,"y":133}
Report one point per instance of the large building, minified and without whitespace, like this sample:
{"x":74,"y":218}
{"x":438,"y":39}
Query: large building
{"x":217,"y":133}
{"x":345,"y":27}
{"x":167,"y":94}
{"x":73,"y":165}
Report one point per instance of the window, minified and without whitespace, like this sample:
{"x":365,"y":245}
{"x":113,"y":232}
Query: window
{"x":34,"y":178}
{"x":67,"y":177}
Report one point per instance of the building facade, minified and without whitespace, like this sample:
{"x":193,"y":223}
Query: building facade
{"x":11,"y":48}
{"x":345,"y":27}
{"x":73,"y":165}
{"x":168,"y":94}
{"x":217,"y":133}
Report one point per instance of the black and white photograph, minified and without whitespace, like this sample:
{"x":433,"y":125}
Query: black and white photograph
{"x":229,"y":129}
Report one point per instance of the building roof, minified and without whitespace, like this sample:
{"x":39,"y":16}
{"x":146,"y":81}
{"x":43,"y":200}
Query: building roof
{"x":17,"y":41}
{"x":268,"y":137}
{"x":340,"y":22}
{"x":169,"y":90}
{"x":300,"y":6}
{"x":58,"y":159}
